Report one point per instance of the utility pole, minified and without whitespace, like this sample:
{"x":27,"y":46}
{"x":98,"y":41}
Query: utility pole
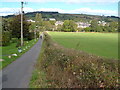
{"x":22,"y":23}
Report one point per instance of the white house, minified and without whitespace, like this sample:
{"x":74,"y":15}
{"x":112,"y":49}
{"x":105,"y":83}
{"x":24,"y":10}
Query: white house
{"x":103,"y":23}
{"x":52,"y":19}
{"x":82,"y":24}
{"x":30,"y":20}
{"x":58,"y":23}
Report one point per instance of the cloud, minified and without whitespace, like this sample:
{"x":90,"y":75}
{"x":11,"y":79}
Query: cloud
{"x":7,"y":11}
{"x":95,"y":11}
{"x":10,"y":11}
{"x":68,"y":1}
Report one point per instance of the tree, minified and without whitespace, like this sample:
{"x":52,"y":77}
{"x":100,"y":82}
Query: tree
{"x":113,"y":26}
{"x":52,"y":24}
{"x":95,"y":27}
{"x":6,"y":33}
{"x":99,"y":29}
{"x":59,"y":27}
{"x":87,"y":29}
{"x":47,"y":26}
{"x":5,"y":25}
{"x":32,"y":27}
{"x":6,"y":37}
{"x":69,"y":26}
{"x":106,"y":28}
{"x":15,"y":27}
{"x":38,"y":20}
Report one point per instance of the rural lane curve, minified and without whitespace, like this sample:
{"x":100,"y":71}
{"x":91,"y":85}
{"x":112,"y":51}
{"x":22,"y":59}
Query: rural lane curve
{"x":18,"y":73}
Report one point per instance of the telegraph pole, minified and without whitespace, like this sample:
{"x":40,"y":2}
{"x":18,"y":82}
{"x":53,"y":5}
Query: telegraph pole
{"x":22,"y":23}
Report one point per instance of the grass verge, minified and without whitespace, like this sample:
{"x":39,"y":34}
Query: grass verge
{"x":38,"y":79}
{"x":60,"y":67}
{"x":7,"y":52}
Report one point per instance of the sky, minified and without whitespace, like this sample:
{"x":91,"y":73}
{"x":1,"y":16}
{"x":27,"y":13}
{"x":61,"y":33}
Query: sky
{"x":93,"y":7}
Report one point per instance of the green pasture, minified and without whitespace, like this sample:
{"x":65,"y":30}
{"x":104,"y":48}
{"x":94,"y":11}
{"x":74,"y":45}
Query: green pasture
{"x":100,"y":44}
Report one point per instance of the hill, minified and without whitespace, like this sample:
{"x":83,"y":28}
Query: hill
{"x":61,"y":16}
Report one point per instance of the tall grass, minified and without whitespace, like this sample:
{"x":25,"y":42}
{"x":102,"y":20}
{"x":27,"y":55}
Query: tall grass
{"x":68,"y":68}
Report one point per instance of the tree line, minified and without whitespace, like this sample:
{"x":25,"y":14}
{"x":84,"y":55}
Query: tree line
{"x":108,"y":27}
{"x":71,"y":26}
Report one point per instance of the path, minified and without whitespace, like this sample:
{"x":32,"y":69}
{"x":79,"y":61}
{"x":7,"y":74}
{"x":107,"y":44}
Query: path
{"x":18,"y":73}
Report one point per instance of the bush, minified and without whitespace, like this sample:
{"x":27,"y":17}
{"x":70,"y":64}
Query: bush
{"x":6,"y":37}
{"x":37,"y":35}
{"x":14,"y":40}
{"x":87,"y":29}
{"x":18,"y":43}
{"x":31,"y":36}
{"x":68,"y":68}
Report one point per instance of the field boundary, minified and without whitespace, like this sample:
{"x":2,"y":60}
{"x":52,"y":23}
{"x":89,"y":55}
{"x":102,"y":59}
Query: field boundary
{"x":68,"y":68}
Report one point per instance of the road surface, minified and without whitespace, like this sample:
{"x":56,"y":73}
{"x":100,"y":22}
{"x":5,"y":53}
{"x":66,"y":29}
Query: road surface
{"x":18,"y":73}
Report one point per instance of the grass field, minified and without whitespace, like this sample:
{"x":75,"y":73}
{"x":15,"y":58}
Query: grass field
{"x":100,"y":44}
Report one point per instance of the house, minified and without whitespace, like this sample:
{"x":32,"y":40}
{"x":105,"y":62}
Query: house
{"x":52,"y":19}
{"x":58,"y":23}
{"x":103,"y":23}
{"x":30,"y":20}
{"x":82,"y":25}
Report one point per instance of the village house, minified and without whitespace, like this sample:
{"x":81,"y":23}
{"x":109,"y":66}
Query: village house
{"x":82,"y":25}
{"x":52,"y":19}
{"x":103,"y":23}
{"x":59,"y":23}
{"x":30,"y":20}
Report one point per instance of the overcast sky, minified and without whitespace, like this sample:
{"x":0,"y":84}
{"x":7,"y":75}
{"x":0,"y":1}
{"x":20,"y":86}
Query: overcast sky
{"x":94,"y":7}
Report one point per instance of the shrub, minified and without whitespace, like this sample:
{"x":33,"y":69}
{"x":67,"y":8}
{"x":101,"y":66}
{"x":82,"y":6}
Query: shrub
{"x":14,"y":40}
{"x":6,"y":37}
{"x":31,"y":36}
{"x":18,"y":43}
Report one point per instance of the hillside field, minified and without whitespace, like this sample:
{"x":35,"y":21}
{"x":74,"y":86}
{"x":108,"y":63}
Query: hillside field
{"x":100,"y":44}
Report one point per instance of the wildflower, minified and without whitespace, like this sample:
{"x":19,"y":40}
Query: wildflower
{"x":74,"y":73}
{"x":101,"y":85}
{"x":80,"y":70}
{"x":9,"y":56}
{"x":92,"y":64}
{"x":76,"y":56}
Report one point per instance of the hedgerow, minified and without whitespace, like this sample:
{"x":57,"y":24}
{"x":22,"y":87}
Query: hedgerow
{"x":68,"y":68}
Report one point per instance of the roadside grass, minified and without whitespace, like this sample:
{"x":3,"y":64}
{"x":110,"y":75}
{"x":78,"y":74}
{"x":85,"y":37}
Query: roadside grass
{"x":60,"y":67}
{"x":100,"y":44}
{"x":38,"y":79}
{"x":12,"y":49}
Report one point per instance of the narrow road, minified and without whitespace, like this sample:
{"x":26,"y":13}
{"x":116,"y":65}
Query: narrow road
{"x":18,"y":73}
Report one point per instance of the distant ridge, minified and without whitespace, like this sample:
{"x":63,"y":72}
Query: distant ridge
{"x":66,"y":16}
{"x":28,"y":13}
{"x":43,"y":12}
